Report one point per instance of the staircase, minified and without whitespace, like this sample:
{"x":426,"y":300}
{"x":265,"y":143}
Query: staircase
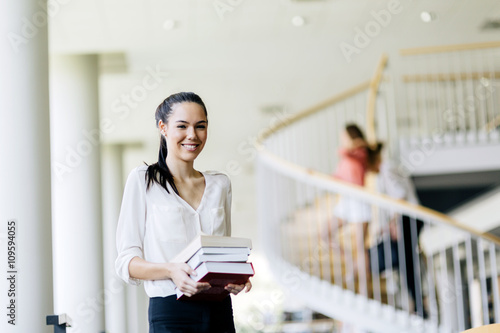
{"x":459,"y":281}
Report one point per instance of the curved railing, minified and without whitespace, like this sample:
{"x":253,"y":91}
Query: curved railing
{"x":455,"y":280}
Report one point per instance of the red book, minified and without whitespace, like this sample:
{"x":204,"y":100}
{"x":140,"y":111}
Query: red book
{"x":219,"y":275}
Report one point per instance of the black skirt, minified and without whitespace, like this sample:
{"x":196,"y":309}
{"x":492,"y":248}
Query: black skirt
{"x":168,"y":315}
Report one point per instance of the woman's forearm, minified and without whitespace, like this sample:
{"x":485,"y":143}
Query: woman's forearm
{"x":178,"y":272}
{"x":144,"y":270}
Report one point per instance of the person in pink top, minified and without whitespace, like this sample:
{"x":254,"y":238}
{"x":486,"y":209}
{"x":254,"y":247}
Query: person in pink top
{"x":353,"y":156}
{"x":352,"y":167}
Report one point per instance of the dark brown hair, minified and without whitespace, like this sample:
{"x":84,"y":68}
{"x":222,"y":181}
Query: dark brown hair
{"x":354,"y":131}
{"x":374,"y":152}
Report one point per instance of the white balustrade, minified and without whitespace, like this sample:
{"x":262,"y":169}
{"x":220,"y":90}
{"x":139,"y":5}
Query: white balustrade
{"x":454,"y":286}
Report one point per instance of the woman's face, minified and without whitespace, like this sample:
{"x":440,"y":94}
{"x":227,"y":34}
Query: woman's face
{"x":185,"y":131}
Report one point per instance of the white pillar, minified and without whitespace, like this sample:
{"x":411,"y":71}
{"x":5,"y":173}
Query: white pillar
{"x":137,"y":309}
{"x":78,"y":255}
{"x":112,"y":190}
{"x":25,"y":166}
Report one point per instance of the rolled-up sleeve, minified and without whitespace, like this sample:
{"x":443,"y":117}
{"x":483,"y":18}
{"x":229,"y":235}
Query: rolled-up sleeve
{"x":131,"y":225}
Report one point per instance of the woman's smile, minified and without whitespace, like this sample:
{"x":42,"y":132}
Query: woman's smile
{"x":190,"y":146}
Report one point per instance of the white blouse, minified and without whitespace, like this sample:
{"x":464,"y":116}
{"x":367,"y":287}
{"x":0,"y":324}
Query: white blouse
{"x":155,"y":225}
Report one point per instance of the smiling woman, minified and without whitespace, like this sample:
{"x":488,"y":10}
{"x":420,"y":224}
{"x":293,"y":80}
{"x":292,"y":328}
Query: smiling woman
{"x":165,"y":206}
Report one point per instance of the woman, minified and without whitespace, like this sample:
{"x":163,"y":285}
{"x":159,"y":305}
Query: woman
{"x":352,"y":168}
{"x":353,"y":165}
{"x":165,"y":205}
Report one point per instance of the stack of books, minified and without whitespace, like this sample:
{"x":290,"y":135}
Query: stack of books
{"x":218,"y":260}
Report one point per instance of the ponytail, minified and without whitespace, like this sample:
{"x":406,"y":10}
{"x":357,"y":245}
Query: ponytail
{"x":374,"y":152}
{"x":159,"y":172}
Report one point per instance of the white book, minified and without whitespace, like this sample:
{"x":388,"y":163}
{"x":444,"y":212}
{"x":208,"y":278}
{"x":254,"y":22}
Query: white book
{"x":224,"y":268}
{"x":198,"y":258}
{"x":223,"y":250}
{"x":202,"y":241}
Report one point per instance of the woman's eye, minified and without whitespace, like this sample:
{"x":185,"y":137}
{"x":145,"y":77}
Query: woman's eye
{"x":201,"y":126}
{"x":181,"y":126}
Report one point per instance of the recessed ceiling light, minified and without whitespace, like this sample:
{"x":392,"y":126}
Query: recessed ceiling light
{"x":169,"y":24}
{"x":298,"y":21}
{"x":427,"y":16}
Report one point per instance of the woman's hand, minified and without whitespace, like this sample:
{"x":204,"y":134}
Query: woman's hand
{"x":179,"y":273}
{"x":235,"y":289}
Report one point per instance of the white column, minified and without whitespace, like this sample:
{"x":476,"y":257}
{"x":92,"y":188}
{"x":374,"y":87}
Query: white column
{"x":137,"y":299}
{"x":25,"y":167}
{"x":112,"y":190}
{"x":78,"y":255}
{"x":137,"y":309}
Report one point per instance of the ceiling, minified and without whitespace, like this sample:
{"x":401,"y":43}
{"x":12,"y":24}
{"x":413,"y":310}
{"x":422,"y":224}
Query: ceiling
{"x":253,"y":41}
{"x":137,"y":27}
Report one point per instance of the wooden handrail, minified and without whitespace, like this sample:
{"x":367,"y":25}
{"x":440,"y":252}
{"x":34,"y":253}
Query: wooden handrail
{"x":371,"y":135}
{"x":448,"y":48}
{"x":327,"y":182}
{"x":312,"y":110}
{"x":450,"y":76}
{"x":491,"y":328}
{"x":372,"y":85}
